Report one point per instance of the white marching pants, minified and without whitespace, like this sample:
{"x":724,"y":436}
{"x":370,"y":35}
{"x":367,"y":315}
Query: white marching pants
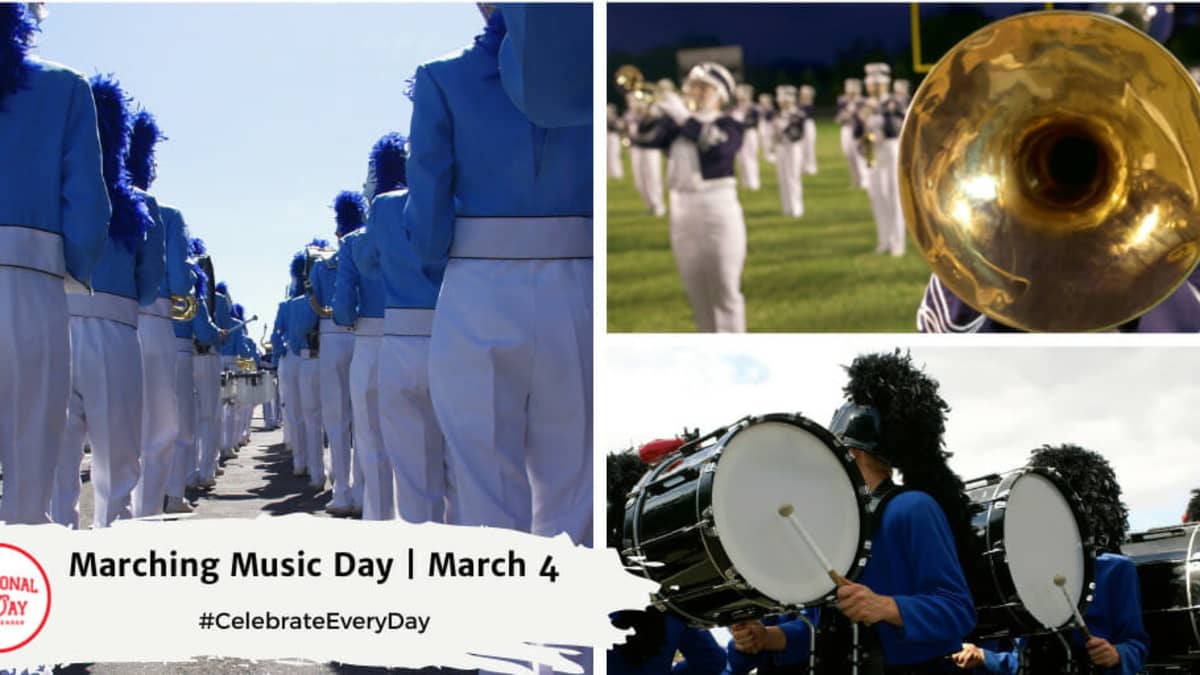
{"x":271,"y":412}
{"x":160,"y":411}
{"x":293,"y":419}
{"x":228,"y":410}
{"x":337,"y":350}
{"x":789,"y":157}
{"x":615,"y":170}
{"x":308,"y":393}
{"x":206,"y":373}
{"x":183,"y":459}
{"x":767,"y":137}
{"x":35,"y":385}
{"x":412,"y":437}
{"x":748,"y":161}
{"x":510,"y":374}
{"x":106,"y":410}
{"x":810,"y":147}
{"x":853,"y":159}
{"x":651,"y":172}
{"x":708,"y":238}
{"x":883,"y":188}
{"x":372,"y":469}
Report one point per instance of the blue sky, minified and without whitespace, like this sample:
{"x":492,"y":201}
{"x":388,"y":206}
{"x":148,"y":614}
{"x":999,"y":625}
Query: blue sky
{"x":271,"y":109}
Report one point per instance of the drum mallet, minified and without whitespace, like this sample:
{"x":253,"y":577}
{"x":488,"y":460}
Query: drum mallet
{"x":1061,"y":582}
{"x":789,"y":512}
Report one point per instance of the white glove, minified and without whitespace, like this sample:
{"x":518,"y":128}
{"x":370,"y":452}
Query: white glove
{"x":673,"y":106}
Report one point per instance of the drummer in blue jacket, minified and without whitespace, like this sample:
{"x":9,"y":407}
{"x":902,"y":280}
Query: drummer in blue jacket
{"x":503,"y":207}
{"x":1119,"y":643}
{"x":206,"y":373}
{"x":285,"y":369}
{"x":106,"y":364}
{"x":54,"y":213}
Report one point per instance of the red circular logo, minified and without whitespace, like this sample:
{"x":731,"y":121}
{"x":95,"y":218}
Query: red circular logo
{"x":24,"y":598}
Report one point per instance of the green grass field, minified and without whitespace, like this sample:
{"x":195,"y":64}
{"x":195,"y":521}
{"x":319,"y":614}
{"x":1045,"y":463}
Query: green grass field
{"x":818,"y":273}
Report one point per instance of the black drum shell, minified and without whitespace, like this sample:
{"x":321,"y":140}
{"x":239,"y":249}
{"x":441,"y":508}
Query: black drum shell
{"x":1162,"y":557}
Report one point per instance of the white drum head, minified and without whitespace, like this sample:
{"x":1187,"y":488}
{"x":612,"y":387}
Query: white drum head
{"x":1042,"y":540}
{"x":763,"y":467}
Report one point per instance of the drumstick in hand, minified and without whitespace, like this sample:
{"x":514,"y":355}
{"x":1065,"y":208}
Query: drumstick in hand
{"x":789,"y":512}
{"x":1061,"y":582}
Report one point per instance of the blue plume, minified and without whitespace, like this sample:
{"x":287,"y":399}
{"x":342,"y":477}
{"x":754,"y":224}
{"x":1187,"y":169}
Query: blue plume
{"x":196,"y":247}
{"x":142,"y":139}
{"x":222,"y":288}
{"x":130,"y":217}
{"x":388,"y":158}
{"x":350,"y":208}
{"x":319,"y":242}
{"x":238,"y":311}
{"x":17,"y":26}
{"x":493,"y":33}
{"x":297,"y":268}
{"x":201,"y":285}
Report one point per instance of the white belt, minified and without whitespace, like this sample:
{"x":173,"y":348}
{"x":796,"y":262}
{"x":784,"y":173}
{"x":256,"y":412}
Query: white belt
{"x":32,"y":249}
{"x":408,"y":322}
{"x":103,"y":306}
{"x":185,"y":345}
{"x":368,"y":327}
{"x":329,"y":327}
{"x":160,"y":308}
{"x":523,"y":238}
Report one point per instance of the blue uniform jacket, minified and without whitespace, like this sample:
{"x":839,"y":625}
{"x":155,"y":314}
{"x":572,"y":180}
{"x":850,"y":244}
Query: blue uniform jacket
{"x":51,"y":178}
{"x":278,"y":347}
{"x":153,"y":270}
{"x":131,"y":274}
{"x":794,"y":652}
{"x":178,"y":279}
{"x":323,"y":277}
{"x":546,"y":62}
{"x":301,"y":320}
{"x":701,"y":654}
{"x":358,"y":293}
{"x":407,"y":282}
{"x":1115,"y":615}
{"x":201,"y":328}
{"x":224,"y":320}
{"x":473,"y":153}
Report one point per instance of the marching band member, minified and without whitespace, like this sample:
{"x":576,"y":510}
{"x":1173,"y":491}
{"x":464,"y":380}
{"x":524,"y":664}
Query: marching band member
{"x":615,"y":169}
{"x":807,"y":98}
{"x":230,"y":350}
{"x":289,"y":384}
{"x":106,"y":364}
{"x":883,"y":117}
{"x":941,"y":311}
{"x":247,"y":352}
{"x":649,"y":159}
{"x":708,"y":233}
{"x":766,"y":112}
{"x":789,"y":126}
{"x":629,"y":121}
{"x":55,"y":212}
{"x":404,"y":459}
{"x":206,"y":374}
{"x":901,"y":91}
{"x":509,"y":369}
{"x":847,"y":114}
{"x":746,"y":113}
{"x":271,"y":412}
{"x":1118,"y":643}
{"x":337,"y":349}
{"x":160,"y":410}
{"x":1192,"y":515}
{"x":303,"y":341}
{"x":189,"y":336}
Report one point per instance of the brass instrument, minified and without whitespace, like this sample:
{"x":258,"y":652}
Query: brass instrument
{"x":245,"y":365}
{"x":184,"y":307}
{"x":630,"y":80}
{"x":1050,"y":171}
{"x":315,"y":254}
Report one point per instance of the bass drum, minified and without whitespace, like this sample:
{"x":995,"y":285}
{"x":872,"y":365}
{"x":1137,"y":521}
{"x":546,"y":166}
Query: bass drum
{"x":1031,"y":528}
{"x":1168,"y":566}
{"x":705,"y":521}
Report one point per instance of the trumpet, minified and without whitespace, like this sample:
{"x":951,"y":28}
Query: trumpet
{"x":1050,"y":171}
{"x":184,"y":307}
{"x":630,"y":80}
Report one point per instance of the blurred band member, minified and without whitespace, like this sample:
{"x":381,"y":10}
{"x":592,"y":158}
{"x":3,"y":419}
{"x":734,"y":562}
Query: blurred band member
{"x":746,"y":113}
{"x":649,"y":159}
{"x":360,"y":302}
{"x":206,"y":374}
{"x":901,"y":90}
{"x":766,"y":112}
{"x":303,"y":340}
{"x":882,"y":118}
{"x":708,"y":233}
{"x":160,"y":410}
{"x":808,"y":97}
{"x":789,"y":126}
{"x":847,"y":112}
{"x":289,"y":384}
{"x":1118,"y":644}
{"x":106,"y":361}
{"x":613,"y":143}
{"x":226,"y":318}
{"x":337,"y":352}
{"x":54,"y":214}
{"x":504,"y":207}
